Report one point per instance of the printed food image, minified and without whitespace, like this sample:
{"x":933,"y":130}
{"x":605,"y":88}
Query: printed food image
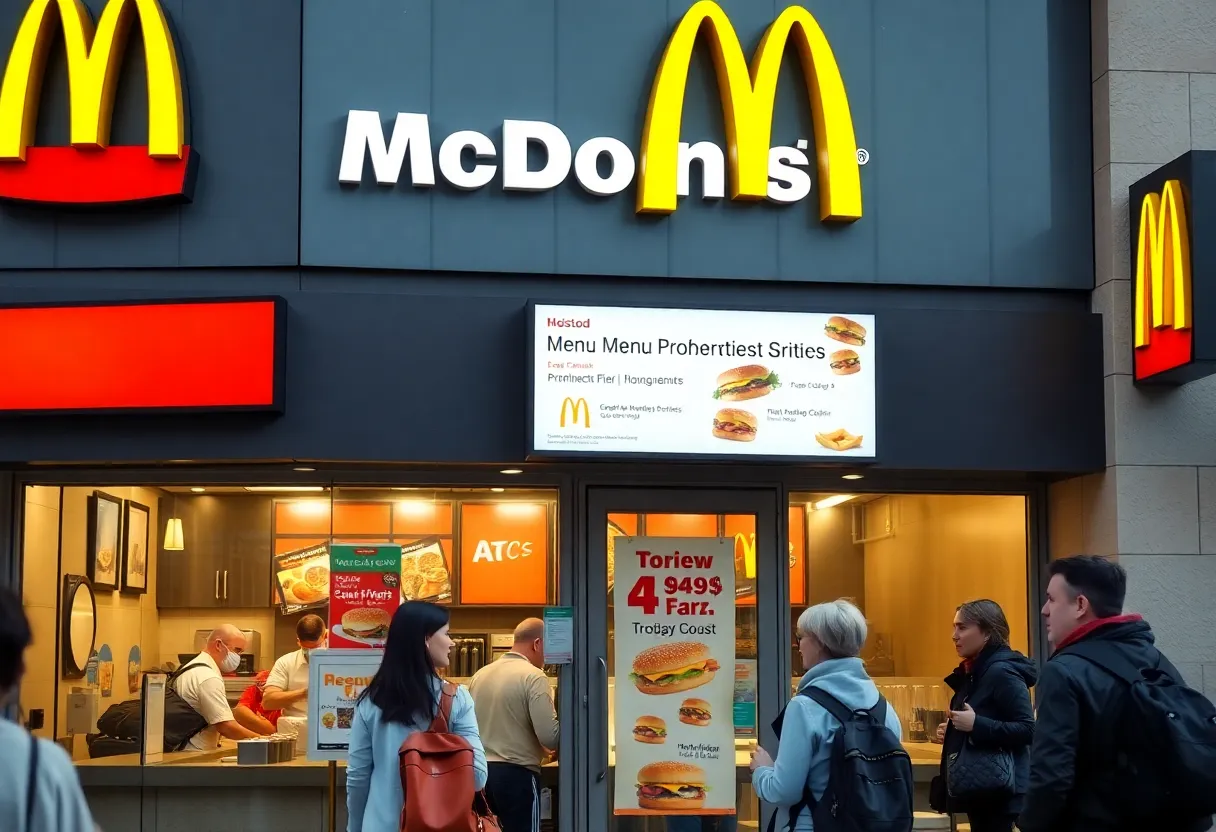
{"x":345,"y":717}
{"x":105,"y":675}
{"x":138,"y":561}
{"x":303,"y":577}
{"x":694,"y":712}
{"x":749,"y":382}
{"x":673,"y":667}
{"x":838,"y":440}
{"x":105,"y":558}
{"x":735,"y":425}
{"x":844,"y":362}
{"x":328,"y":720}
{"x":844,"y":330}
{"x":671,"y":785}
{"x":366,"y":622}
{"x":306,"y":593}
{"x":317,"y":577}
{"x":650,"y":729}
{"x":424,"y":572}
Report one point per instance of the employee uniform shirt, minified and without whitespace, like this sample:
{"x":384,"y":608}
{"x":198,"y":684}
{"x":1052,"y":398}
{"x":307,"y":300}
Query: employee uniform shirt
{"x":290,"y":672}
{"x":59,"y":804}
{"x":514,"y":711}
{"x":203,"y":690}
{"x":252,"y":699}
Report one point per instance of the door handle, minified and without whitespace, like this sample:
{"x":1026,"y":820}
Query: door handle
{"x":607,"y":741}
{"x":225,"y":584}
{"x":217,"y":584}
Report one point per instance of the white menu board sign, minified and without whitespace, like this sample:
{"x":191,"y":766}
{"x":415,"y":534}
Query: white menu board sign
{"x":702,"y":382}
{"x":674,"y":628}
{"x":335,"y":680}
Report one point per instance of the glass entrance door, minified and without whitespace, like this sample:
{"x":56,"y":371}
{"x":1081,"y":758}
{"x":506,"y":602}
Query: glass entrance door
{"x":687,"y":652}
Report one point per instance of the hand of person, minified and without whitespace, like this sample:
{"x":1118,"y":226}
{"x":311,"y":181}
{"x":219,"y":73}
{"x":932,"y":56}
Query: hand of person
{"x":941,"y":732}
{"x":963,"y":720}
{"x":760,"y":758}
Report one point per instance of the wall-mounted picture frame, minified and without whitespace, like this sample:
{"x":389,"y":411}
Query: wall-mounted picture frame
{"x":103,"y":560}
{"x":135,"y":521}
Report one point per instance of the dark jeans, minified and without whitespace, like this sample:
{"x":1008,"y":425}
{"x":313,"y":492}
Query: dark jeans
{"x":991,"y":823}
{"x":514,"y":795}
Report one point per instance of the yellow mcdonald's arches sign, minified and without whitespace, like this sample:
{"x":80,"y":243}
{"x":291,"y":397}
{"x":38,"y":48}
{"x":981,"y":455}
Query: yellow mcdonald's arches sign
{"x":572,"y":408}
{"x":1162,"y":304}
{"x":94,"y":60}
{"x":747,"y":107}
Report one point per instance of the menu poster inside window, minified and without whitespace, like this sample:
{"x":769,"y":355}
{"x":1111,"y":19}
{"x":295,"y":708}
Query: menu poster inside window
{"x":702,"y":382}
{"x":674,"y":628}
{"x":302,"y":578}
{"x":364,"y":591}
{"x":336,"y":678}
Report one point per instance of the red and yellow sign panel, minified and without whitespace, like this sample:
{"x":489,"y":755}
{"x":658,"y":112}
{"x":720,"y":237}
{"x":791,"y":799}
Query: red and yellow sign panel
{"x":181,"y":355}
{"x":89,"y":170}
{"x":1161,"y":307}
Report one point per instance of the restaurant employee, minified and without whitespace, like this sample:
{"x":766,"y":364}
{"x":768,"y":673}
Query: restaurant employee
{"x":287,"y":685}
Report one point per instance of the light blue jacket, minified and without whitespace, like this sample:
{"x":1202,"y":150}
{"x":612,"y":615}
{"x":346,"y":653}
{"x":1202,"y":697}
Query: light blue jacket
{"x":373,"y":780}
{"x":804,"y":755}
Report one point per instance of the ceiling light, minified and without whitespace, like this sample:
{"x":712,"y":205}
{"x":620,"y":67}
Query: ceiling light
{"x":174,"y":539}
{"x":285,"y":489}
{"x":511,"y":471}
{"x":400,"y":489}
{"x":198,"y":489}
{"x":852,"y":476}
{"x":834,"y":500}
{"x":303,"y":469}
{"x":498,"y":490}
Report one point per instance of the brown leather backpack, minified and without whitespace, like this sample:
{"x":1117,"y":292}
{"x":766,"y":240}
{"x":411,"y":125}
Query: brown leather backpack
{"x":437,"y":778}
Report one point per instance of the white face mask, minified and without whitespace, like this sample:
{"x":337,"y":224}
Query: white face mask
{"x":231,"y":661}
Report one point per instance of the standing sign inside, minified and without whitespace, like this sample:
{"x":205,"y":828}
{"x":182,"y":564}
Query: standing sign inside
{"x":364,"y":592}
{"x":674,"y":601}
{"x":336,"y":678}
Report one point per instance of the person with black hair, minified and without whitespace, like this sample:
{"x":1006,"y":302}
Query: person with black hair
{"x":39,"y":789}
{"x":402,"y":698}
{"x":1077,"y":759}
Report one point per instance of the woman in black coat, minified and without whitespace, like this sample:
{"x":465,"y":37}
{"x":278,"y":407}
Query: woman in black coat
{"x":990,"y":708}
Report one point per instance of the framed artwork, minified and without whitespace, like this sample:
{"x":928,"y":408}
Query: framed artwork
{"x":135,"y":547}
{"x":103,"y":559}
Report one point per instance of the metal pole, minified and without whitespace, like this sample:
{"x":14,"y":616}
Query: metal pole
{"x":333,"y":796}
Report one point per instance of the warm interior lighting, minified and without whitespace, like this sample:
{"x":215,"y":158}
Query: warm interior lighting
{"x":285,"y":489}
{"x":174,"y":539}
{"x":511,"y":471}
{"x":310,"y":508}
{"x":416,"y":508}
{"x":498,"y":490}
{"x":834,"y":500}
{"x":303,"y":469}
{"x":518,"y":509}
{"x":198,"y":489}
{"x":852,"y":476}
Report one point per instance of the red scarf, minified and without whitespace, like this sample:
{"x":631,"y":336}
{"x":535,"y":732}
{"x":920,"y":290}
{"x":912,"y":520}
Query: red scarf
{"x":1098,"y":623}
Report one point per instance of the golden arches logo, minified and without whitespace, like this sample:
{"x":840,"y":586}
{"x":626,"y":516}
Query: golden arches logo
{"x":747,"y":107}
{"x":572,"y":408}
{"x":1163,"y":264}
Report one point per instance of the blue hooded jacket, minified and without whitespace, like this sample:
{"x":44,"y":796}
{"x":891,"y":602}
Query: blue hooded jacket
{"x":805,"y":753}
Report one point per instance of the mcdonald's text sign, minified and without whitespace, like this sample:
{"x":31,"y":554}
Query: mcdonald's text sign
{"x":1173,"y":299}
{"x":89,"y":170}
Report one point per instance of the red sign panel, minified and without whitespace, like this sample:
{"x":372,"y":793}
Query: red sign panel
{"x":157,"y":356}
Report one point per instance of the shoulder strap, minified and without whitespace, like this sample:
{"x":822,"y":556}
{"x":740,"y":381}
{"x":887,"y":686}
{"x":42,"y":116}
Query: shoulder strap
{"x":829,"y":703}
{"x":171,"y":682}
{"x":31,"y":787}
{"x":1112,"y":661}
{"x":443,"y":716}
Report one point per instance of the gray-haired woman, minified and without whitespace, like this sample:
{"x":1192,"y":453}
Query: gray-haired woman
{"x":830,"y":638}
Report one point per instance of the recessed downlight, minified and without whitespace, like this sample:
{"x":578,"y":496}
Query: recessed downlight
{"x":303,"y":469}
{"x":498,"y":490}
{"x":511,"y":471}
{"x":852,"y":476}
{"x":285,"y":489}
{"x":198,"y":489}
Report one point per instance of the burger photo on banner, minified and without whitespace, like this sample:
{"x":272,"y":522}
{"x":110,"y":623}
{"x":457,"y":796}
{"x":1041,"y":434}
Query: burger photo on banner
{"x":302,"y":578}
{"x":674,"y":626}
{"x":364,"y":592}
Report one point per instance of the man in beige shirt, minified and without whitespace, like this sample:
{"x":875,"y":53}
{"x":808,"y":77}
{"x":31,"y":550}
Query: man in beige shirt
{"x":518,"y":727}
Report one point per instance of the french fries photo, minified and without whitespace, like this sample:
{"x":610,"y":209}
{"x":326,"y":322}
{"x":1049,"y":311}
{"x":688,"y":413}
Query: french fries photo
{"x":838,"y":440}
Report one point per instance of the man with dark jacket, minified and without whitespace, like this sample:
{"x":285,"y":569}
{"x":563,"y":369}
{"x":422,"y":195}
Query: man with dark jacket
{"x":1076,"y":740}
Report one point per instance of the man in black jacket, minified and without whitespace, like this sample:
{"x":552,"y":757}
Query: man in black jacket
{"x":1076,"y":737}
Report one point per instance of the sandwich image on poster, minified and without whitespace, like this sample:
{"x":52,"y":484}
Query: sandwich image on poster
{"x":748,"y":382}
{"x":650,"y":729}
{"x":735,"y":425}
{"x":424,"y":572}
{"x":673,"y":667}
{"x":674,"y":632}
{"x":364,"y":592}
{"x":845,"y":362}
{"x":670,"y":787}
{"x":840,"y":328}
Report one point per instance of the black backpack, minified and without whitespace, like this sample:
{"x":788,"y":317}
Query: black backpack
{"x":124,"y":721}
{"x":1165,"y":740}
{"x":870,"y":780}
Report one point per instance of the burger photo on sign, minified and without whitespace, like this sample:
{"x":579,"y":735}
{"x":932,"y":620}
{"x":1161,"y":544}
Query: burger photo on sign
{"x":673,"y":667}
{"x":650,"y":729}
{"x":748,"y":382}
{"x":671,"y":786}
